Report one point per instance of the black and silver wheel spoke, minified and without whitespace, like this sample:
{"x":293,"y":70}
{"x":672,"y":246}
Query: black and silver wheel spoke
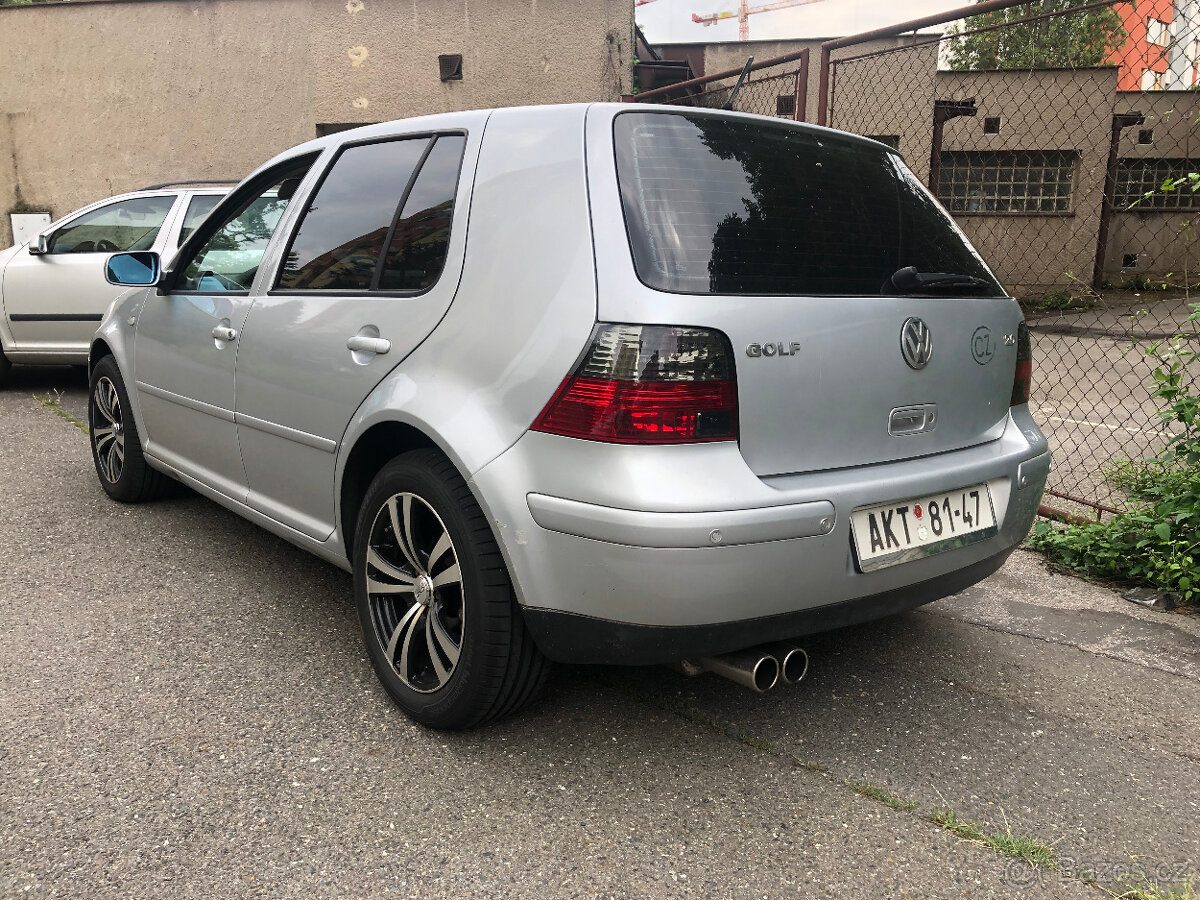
{"x":108,"y":433}
{"x":415,"y":592}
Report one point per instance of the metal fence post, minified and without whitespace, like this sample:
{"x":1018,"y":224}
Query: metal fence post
{"x":943,"y":112}
{"x":823,"y":88}
{"x":800,"y":110}
{"x":1108,"y":204}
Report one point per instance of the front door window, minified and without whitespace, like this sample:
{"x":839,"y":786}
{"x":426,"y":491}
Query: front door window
{"x":116,"y":228}
{"x":229,"y":259}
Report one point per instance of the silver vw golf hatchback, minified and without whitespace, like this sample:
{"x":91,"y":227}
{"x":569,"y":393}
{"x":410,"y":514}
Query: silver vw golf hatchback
{"x":594,"y":384}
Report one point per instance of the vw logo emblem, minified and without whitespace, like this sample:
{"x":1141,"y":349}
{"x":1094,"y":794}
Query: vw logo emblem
{"x":916,"y":342}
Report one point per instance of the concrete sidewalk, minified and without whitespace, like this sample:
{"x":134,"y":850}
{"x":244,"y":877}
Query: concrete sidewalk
{"x":187,"y":711}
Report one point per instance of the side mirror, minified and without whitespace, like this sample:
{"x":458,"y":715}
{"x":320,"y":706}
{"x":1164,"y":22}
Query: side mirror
{"x":139,"y":269}
{"x":39,"y":245}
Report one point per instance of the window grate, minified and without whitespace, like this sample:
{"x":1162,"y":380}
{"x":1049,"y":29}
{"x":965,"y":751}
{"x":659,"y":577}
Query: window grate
{"x":1037,"y":182}
{"x":1138,"y":177}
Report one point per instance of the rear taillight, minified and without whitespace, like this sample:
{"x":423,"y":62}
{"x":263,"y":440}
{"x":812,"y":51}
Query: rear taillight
{"x":648,"y":384}
{"x":1024,"y":374}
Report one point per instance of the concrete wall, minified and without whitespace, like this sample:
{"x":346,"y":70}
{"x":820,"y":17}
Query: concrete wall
{"x":1067,"y":110}
{"x":99,"y":98}
{"x":1164,"y":242}
{"x":887,"y":93}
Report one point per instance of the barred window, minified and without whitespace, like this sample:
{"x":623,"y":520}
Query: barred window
{"x":1138,"y":177}
{"x":1008,"y":181}
{"x":785,"y":105}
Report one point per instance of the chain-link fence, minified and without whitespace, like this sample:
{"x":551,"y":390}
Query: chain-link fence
{"x":1062,"y":136}
{"x":773,"y":87}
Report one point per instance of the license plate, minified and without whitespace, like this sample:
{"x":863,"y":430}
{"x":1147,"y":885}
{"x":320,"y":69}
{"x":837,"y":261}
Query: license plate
{"x":911,"y":529}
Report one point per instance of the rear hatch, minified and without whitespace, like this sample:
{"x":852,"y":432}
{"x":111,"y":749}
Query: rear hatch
{"x":813,"y":252}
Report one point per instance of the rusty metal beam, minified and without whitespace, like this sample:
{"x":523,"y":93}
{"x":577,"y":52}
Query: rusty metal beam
{"x":671,"y":89}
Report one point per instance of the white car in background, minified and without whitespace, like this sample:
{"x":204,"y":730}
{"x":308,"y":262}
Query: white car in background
{"x":53,"y":292}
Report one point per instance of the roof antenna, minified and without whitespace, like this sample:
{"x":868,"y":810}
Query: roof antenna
{"x":737,"y":87}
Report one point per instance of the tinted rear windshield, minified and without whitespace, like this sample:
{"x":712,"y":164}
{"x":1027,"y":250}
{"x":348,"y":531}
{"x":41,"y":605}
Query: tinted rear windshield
{"x":717,"y":205}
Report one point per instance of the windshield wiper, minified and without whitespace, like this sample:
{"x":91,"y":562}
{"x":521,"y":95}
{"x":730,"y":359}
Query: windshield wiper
{"x":909,"y":281}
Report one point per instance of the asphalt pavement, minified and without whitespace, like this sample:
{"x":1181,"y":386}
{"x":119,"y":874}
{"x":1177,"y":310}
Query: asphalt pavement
{"x":186,"y":710}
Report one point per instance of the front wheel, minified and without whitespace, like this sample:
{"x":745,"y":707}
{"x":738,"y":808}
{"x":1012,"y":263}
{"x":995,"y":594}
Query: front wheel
{"x":116,"y":447}
{"x":437,"y":609}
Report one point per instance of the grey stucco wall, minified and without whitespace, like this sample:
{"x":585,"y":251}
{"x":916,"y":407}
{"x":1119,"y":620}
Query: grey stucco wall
{"x":1165,"y":243}
{"x":99,"y":98}
{"x":1056,"y":110}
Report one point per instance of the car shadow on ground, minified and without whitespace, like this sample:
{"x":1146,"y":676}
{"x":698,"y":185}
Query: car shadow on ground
{"x":43,"y":378}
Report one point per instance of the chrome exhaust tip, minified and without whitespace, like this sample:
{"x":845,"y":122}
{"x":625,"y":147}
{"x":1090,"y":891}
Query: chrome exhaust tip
{"x":793,"y":662}
{"x":754,"y":669}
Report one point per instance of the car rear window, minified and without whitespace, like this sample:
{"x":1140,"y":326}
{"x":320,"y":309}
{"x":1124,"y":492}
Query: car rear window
{"x":720,"y":205}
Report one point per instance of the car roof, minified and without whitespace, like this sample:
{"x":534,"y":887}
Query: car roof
{"x":468,"y":118}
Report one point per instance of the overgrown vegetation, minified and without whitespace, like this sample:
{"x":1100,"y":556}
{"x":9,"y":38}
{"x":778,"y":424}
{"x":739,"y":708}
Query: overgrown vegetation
{"x":1142,"y":283}
{"x":1084,"y":39}
{"x":1064,"y":300}
{"x":1158,"y":541}
{"x":1152,"y":890}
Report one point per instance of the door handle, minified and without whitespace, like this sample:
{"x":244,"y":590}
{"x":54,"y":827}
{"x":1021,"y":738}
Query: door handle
{"x":224,"y":333}
{"x":362,"y":343}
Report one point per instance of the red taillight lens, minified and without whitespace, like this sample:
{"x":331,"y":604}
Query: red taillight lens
{"x":648,"y":384}
{"x":1023,"y":378}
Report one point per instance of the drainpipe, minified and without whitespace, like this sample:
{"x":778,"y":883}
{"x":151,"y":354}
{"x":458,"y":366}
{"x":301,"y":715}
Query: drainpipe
{"x":943,"y":112}
{"x":1120,"y":121}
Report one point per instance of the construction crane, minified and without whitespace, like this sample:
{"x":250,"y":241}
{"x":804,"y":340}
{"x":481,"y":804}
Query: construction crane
{"x":743,"y":14}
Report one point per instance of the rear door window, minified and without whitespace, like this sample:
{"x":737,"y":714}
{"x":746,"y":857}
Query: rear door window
{"x":341,"y":237}
{"x":417,"y":251}
{"x":397,"y":195}
{"x":719,"y":205}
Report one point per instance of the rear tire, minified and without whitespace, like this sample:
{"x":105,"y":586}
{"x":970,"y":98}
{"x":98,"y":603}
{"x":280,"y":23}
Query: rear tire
{"x":5,"y":367}
{"x":439,"y":617}
{"x":116,"y":447}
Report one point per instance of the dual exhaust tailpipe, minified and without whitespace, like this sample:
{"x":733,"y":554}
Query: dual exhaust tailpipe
{"x":759,"y":668}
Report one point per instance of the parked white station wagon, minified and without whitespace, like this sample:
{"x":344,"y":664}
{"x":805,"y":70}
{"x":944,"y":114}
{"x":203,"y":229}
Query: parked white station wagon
{"x":595,"y":384}
{"x":53,"y":291}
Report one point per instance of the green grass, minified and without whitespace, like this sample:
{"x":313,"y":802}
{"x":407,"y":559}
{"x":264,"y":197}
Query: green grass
{"x":1151,"y":890}
{"x":54,"y":404}
{"x":1065,"y":300}
{"x":1035,"y":852}
{"x":883,"y":795}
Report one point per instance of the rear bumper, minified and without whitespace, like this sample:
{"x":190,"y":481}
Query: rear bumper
{"x":645,"y":554}
{"x":572,"y":638}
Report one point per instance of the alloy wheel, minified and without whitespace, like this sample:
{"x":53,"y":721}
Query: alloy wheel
{"x":108,"y":433}
{"x":415,"y":592}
